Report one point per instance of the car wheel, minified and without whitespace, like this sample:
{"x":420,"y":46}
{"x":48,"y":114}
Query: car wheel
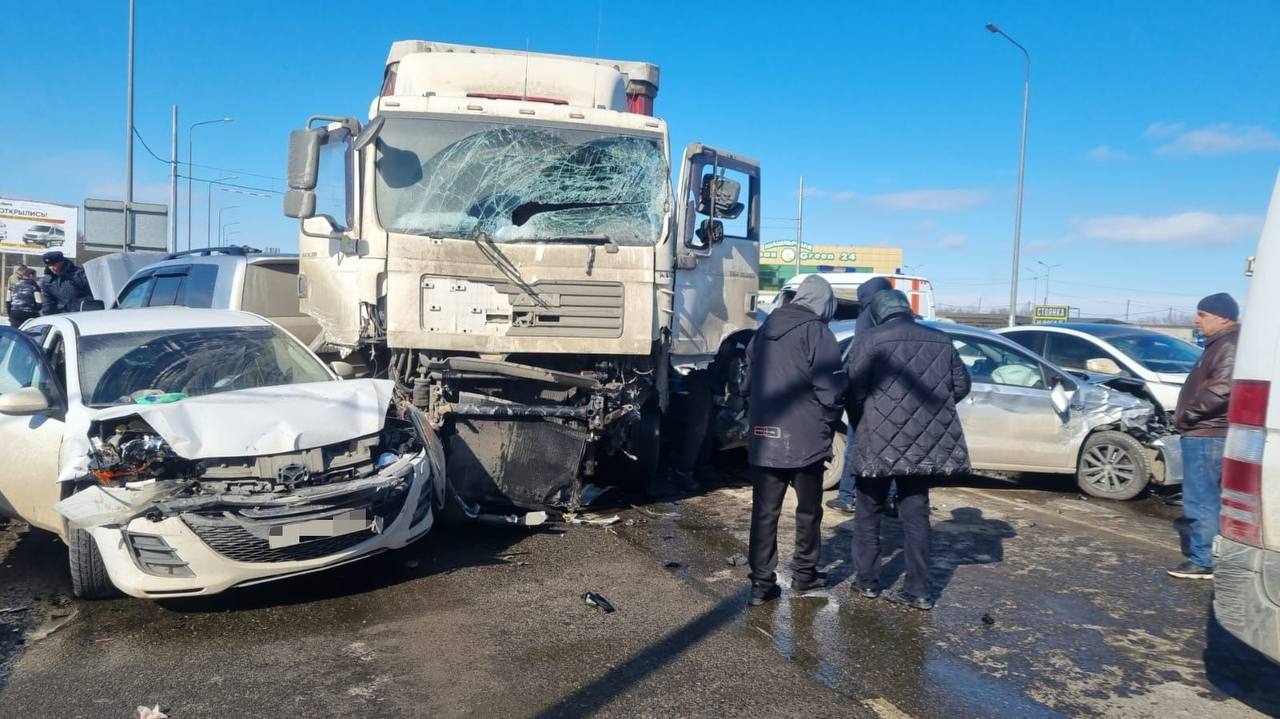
{"x":1113,"y":465}
{"x":835,"y":465}
{"x":89,"y":578}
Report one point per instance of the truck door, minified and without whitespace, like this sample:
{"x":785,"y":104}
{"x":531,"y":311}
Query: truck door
{"x":717,"y":252}
{"x":328,"y":256}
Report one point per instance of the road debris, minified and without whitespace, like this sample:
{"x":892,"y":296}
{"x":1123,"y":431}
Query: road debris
{"x":151,"y":712}
{"x":14,"y":610}
{"x":737,"y":560}
{"x":988,"y":620}
{"x":592,"y":521}
{"x":594,"y":599}
{"x":671,"y":564}
{"x":101,"y":642}
{"x":655,"y":515}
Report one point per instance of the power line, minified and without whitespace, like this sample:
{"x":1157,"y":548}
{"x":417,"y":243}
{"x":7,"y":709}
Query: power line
{"x":231,"y":184}
{"x":205,"y":167}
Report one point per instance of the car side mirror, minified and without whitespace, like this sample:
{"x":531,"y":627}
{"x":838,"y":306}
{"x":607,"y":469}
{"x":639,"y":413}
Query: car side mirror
{"x":1060,"y":398}
{"x":1103,"y":365}
{"x":344,"y":370}
{"x":25,"y":401}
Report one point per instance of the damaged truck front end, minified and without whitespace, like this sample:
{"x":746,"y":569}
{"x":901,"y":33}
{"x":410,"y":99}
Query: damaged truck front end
{"x":287,"y":494}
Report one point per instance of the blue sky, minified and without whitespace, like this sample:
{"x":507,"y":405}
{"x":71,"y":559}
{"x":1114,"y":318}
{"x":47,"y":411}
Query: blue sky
{"x":1154,"y":132}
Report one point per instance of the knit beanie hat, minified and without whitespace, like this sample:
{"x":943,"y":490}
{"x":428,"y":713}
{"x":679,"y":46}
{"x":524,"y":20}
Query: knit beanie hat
{"x":1221,"y":305}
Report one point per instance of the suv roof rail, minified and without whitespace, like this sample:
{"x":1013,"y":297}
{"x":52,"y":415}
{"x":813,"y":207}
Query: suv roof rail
{"x":207,"y":251}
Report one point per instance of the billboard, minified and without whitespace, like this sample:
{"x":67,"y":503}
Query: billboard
{"x":1050,"y":314}
{"x":778,"y":260}
{"x":34,"y":228}
{"x":104,"y":225}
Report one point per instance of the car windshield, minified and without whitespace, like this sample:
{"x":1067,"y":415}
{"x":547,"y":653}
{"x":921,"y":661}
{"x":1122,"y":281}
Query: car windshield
{"x":171,"y":365}
{"x":519,"y":182}
{"x":1158,"y":353}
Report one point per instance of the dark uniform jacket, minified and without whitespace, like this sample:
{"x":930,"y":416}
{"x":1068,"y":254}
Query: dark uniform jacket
{"x":65,"y":290}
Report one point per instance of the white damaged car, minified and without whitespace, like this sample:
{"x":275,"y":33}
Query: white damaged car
{"x":182,"y":452}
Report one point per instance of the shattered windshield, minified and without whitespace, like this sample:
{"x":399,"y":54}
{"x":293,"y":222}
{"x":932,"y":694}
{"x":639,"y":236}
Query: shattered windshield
{"x":171,"y":365}
{"x":1158,"y":353}
{"x":519,"y":182}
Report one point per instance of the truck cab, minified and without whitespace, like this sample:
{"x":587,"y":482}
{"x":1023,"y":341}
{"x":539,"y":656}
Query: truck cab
{"x":503,"y":237}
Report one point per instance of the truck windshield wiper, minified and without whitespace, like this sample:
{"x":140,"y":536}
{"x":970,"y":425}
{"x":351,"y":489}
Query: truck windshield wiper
{"x":504,"y":265}
{"x":599,"y":239}
{"x":525,"y":211}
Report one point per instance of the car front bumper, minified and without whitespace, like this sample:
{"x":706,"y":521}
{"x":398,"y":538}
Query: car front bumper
{"x":179,"y":557}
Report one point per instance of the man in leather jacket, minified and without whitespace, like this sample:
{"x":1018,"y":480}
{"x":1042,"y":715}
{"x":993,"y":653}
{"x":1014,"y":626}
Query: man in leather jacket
{"x":1202,"y":418}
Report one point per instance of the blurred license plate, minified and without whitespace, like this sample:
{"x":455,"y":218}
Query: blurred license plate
{"x":288,"y":535}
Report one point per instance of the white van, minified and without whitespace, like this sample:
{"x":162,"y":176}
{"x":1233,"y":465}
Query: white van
{"x":1246,"y":573}
{"x":845,"y":284}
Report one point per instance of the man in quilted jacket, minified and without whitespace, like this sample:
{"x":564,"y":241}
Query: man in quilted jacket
{"x":904,"y":382}
{"x":795,"y":391}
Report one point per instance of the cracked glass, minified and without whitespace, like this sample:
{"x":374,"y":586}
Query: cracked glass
{"x":519,"y":182}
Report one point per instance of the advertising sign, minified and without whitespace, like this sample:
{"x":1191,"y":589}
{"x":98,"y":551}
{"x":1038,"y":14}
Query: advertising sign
{"x":1050,"y":314}
{"x":34,"y":228}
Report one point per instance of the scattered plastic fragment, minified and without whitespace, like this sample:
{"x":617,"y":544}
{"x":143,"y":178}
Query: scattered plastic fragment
{"x":988,"y":620}
{"x":151,"y":713}
{"x":737,"y":560}
{"x":13,"y":610}
{"x":596,"y":600}
{"x":594,"y":522}
{"x":102,"y":642}
{"x":671,"y":563}
{"x":655,"y":515}
{"x":532,"y":519}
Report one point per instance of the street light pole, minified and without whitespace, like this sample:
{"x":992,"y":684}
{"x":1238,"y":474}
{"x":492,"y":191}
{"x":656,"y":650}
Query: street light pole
{"x":1022,"y":164}
{"x":222,"y":229}
{"x":208,"y":206}
{"x":128,"y":137}
{"x":800,"y":226}
{"x":1035,"y":287}
{"x":191,"y":171}
{"x":1048,"y":270}
{"x":172,"y":244}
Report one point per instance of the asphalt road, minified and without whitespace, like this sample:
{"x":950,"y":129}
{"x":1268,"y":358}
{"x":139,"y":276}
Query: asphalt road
{"x":490,"y":621}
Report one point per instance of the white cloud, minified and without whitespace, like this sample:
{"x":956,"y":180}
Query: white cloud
{"x":843,"y":196}
{"x":157,"y":192}
{"x":930,"y":200}
{"x":815,"y":192}
{"x":1106,"y":153}
{"x":1185,"y":228}
{"x":1220,"y":139}
{"x":954,"y":241}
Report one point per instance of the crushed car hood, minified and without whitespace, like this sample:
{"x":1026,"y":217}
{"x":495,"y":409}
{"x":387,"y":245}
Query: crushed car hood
{"x":251,"y":422}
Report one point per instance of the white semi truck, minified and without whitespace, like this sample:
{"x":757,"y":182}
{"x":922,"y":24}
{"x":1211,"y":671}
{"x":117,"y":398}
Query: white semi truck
{"x":502,"y":239}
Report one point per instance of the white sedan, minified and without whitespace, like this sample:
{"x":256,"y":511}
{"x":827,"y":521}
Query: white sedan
{"x":183,"y":452}
{"x":1161,"y":361}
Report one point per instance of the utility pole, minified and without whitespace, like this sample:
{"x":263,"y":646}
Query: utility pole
{"x":1048,"y":271}
{"x":173,"y":182}
{"x":1126,"y":310}
{"x":128,"y":137}
{"x":800,"y":226}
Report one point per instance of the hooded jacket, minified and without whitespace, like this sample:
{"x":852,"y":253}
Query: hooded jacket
{"x":65,"y":289}
{"x":866,"y":291}
{"x":904,"y":382}
{"x":794,"y":383}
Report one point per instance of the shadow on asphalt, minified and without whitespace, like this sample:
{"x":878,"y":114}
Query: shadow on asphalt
{"x":442,"y":551}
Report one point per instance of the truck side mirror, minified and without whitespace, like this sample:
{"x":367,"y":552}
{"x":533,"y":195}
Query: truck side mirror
{"x":720,"y":194}
{"x":304,"y":158}
{"x":300,"y":204}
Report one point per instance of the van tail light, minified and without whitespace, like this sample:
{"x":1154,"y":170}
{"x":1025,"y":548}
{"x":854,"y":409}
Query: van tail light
{"x":1241,"y":519}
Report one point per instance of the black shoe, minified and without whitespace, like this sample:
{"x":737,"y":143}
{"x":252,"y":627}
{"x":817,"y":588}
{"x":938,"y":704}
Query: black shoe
{"x":868,"y":592}
{"x":764,"y":593}
{"x":891,"y":507}
{"x":901,"y":597}
{"x":684,"y":482}
{"x":818,"y":582}
{"x":840,"y":505}
{"x":1191,"y":570}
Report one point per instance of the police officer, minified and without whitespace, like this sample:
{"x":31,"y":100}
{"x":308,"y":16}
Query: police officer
{"x":65,"y":285}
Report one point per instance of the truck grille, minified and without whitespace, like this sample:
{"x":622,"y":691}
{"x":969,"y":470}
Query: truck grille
{"x":573,"y":309}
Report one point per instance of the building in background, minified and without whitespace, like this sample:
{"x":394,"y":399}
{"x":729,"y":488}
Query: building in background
{"x":778,"y":261}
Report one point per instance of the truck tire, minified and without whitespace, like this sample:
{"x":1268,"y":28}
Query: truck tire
{"x":1113,"y":465}
{"x":89,"y":578}
{"x":835,"y":466}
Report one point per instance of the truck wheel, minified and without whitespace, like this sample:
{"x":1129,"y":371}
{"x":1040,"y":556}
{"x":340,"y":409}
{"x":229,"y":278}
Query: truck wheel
{"x":89,"y":578}
{"x":835,"y":465}
{"x":1113,"y":465}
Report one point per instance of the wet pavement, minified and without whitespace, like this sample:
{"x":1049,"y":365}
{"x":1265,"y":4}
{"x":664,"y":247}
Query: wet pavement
{"x":1080,"y":621}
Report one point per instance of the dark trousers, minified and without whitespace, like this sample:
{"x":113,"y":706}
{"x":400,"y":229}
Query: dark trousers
{"x":768,"y":488}
{"x":17,"y":318}
{"x":913,"y":510}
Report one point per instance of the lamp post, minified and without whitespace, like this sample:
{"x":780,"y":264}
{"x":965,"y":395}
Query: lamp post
{"x":1022,"y":164}
{"x":191,"y":171}
{"x":1035,"y":288}
{"x":1048,"y":269}
{"x":208,"y":209}
{"x":223,"y":234}
{"x":221,"y":226}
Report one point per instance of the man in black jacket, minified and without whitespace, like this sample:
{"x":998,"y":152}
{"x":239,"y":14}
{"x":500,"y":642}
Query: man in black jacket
{"x":65,"y":284}
{"x":904,"y":382}
{"x":795,"y":390}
